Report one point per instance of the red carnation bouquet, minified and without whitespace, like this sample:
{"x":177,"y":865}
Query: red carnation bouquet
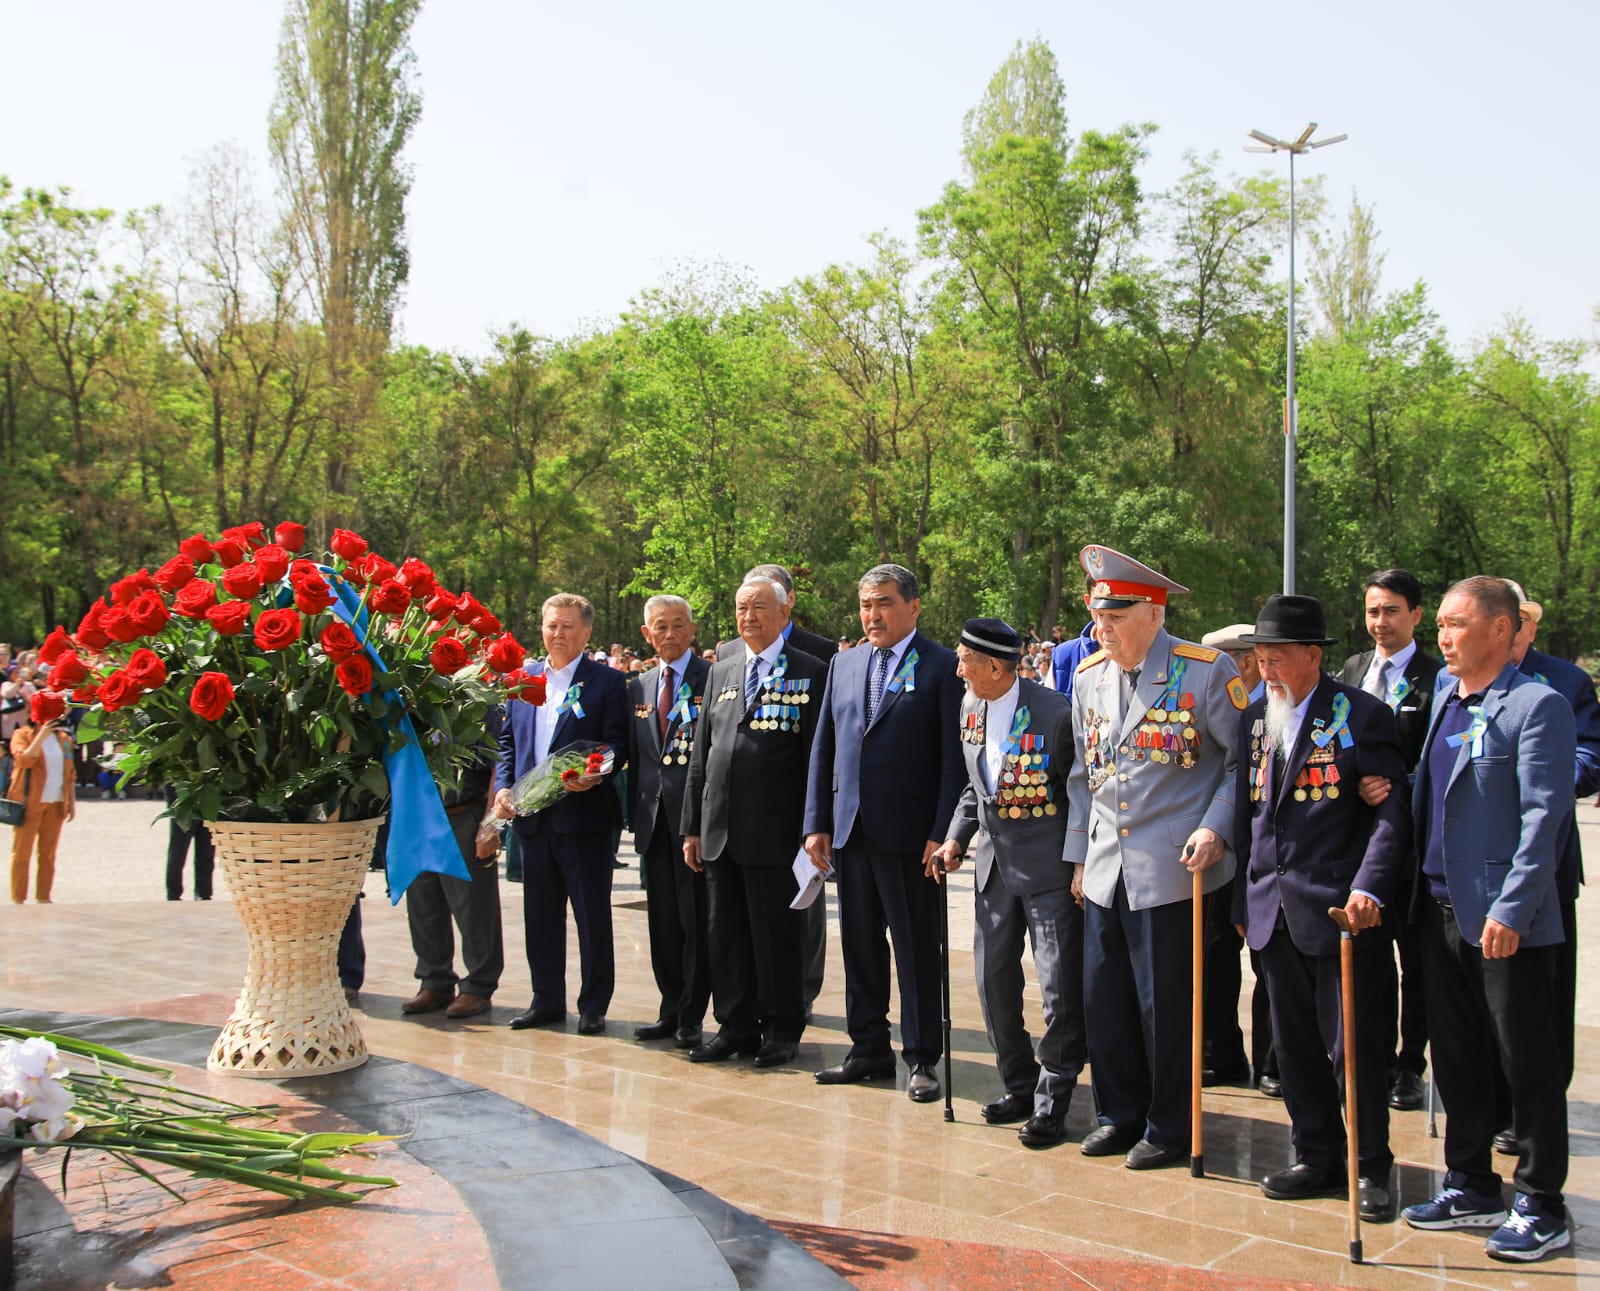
{"x":263,"y":684}
{"x":552,"y":779}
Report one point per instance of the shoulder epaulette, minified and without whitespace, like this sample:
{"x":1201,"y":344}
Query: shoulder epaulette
{"x":1099,"y":656}
{"x":1188,"y":650}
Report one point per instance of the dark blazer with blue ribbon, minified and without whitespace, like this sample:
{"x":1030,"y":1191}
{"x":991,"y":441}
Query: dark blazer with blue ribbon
{"x":1411,"y":714}
{"x":658,"y":786}
{"x":893,"y":785}
{"x":1306,"y":856}
{"x":604,"y":701}
{"x":1508,"y":809}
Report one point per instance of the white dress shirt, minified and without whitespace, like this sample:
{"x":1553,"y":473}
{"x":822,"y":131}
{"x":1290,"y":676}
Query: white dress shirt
{"x":997,"y":718}
{"x":1398,"y":662}
{"x":556,"y":685}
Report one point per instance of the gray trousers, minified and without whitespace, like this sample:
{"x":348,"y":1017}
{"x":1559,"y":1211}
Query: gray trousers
{"x":433,"y":900}
{"x":1053,"y":922}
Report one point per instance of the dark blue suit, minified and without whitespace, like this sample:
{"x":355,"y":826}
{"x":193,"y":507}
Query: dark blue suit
{"x":1066,"y":657}
{"x":566,"y":849}
{"x":1299,"y":856}
{"x":883,"y":792}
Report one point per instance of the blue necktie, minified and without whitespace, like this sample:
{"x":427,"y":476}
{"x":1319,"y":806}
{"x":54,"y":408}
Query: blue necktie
{"x":752,"y":683}
{"x":880,"y":674}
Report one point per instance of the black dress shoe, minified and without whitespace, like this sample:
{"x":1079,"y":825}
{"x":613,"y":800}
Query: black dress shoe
{"x":1108,"y":1141}
{"x":1505,"y":1143}
{"x":853,"y":1069}
{"x":1008,"y":1110}
{"x":538,"y":1018}
{"x":1044,"y":1130}
{"x":1300,"y":1181}
{"x":1377,"y":1202}
{"x":591,"y":1023}
{"x":660,"y":1029}
{"x":776,"y":1053}
{"x":923,"y":1085}
{"x":1145,"y":1155}
{"x":1271,"y":1086}
{"x":1239,"y":1075}
{"x":721,"y":1047}
{"x":688,"y":1037}
{"x":1405,"y":1091}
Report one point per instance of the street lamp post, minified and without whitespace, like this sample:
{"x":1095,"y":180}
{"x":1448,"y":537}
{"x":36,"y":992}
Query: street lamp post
{"x":1291,"y":412}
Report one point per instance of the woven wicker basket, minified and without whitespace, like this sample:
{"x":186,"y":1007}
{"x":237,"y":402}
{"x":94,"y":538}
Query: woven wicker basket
{"x":292,"y":886}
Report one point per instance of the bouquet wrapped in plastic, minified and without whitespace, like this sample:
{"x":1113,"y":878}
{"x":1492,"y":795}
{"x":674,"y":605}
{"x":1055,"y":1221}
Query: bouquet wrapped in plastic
{"x":551,"y":780}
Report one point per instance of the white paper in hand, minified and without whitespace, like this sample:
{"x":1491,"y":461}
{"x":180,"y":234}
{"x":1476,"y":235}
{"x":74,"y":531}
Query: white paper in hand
{"x":810,"y":879}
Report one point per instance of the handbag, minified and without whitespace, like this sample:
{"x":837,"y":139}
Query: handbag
{"x":11,"y":811}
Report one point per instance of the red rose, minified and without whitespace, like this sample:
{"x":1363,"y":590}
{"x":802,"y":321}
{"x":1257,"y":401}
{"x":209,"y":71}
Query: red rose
{"x":212,"y":694}
{"x":277,"y":629}
{"x":58,"y":643}
{"x":118,"y":691}
{"x":230,"y":551}
{"x":347,"y":545}
{"x":175,"y":575}
{"x":251,"y":535}
{"x":230,"y":619}
{"x":417,"y":577}
{"x":303,"y":568}
{"x":87,"y":693}
{"x":594,"y":763}
{"x":119,"y":626}
{"x":291,"y":536}
{"x":448,"y":656}
{"x":439,"y":604}
{"x":67,"y":672}
{"x":506,"y":653}
{"x":92,"y":634}
{"x":45,"y":706}
{"x":468,"y":609}
{"x":242,"y":582}
{"x":197,"y":549}
{"x":570,"y":774}
{"x":195,"y":599}
{"x":374,"y":568}
{"x":355,"y":674}
{"x":389,"y":597}
{"x":146,"y":668}
{"x":339,"y":642}
{"x":312,"y":595}
{"x":273,"y":562}
{"x":148,"y":613}
{"x":529,"y":687}
{"x":487,"y":625}
{"x":125,"y":590}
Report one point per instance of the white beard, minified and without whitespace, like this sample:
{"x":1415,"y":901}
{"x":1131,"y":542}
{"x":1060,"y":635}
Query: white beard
{"x":1280,"y":712}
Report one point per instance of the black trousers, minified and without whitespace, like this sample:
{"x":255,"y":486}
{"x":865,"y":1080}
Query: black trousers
{"x":757,"y":975}
{"x":1308,"y":1026}
{"x":179,"y":841}
{"x":433,"y":901}
{"x":557,"y":869}
{"x":1405,"y":999}
{"x":888,"y":893}
{"x":675,"y":910}
{"x":1480,"y":1009}
{"x":1138,"y":984}
{"x":1223,"y":1039}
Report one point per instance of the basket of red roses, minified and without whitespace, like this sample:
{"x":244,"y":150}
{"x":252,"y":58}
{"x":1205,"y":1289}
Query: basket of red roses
{"x":290,"y":702}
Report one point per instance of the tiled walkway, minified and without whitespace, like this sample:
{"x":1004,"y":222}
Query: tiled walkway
{"x":901,"y":1188}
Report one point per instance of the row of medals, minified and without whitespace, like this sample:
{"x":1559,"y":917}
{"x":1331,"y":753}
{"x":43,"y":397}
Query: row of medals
{"x":789,"y":715}
{"x":1024,"y":791}
{"x":1317,"y":780}
{"x":1178,"y":746}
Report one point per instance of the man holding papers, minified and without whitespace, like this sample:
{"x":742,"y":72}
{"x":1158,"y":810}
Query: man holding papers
{"x":742,"y":812}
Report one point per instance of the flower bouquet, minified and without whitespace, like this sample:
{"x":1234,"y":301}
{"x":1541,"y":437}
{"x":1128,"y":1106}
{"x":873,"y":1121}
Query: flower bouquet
{"x":552,"y":779}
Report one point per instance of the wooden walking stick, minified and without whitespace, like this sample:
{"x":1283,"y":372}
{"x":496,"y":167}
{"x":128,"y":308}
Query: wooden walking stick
{"x":1197,"y":1160}
{"x":944,"y":966}
{"x":1352,"y":1136}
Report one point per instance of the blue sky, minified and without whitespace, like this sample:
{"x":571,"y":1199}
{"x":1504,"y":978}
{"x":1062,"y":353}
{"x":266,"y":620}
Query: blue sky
{"x":569,"y":155}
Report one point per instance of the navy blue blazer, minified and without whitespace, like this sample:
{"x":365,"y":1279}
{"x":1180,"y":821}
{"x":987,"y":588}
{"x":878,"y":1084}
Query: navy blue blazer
{"x":894,"y":785}
{"x":1508,"y":808}
{"x":1576,"y":686}
{"x":1305,"y":856}
{"x":604,"y":701}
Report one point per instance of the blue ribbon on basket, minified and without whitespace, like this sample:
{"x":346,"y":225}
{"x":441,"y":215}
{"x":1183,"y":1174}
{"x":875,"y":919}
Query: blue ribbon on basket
{"x":420,"y":837}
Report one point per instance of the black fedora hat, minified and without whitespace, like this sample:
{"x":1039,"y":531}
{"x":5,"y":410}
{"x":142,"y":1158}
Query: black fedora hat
{"x":1290,"y":620}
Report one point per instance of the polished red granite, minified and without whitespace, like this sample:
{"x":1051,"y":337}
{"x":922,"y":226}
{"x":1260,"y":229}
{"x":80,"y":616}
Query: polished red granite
{"x":887,"y":1262}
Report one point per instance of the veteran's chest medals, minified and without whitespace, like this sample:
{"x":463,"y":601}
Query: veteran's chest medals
{"x":1025,"y":788}
{"x":685,"y":712}
{"x":780,"y":699}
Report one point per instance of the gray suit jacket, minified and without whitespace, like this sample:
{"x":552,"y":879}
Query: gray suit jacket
{"x":1507,"y":809}
{"x":1136,"y":819}
{"x":1028,"y":849}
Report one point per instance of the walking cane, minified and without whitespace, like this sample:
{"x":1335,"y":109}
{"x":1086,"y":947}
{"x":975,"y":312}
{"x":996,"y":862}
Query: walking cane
{"x":1197,"y":1160}
{"x":944,"y":966}
{"x":1347,"y":994}
{"x":1433,"y":1104}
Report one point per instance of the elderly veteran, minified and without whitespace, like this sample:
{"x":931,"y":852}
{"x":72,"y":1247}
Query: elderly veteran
{"x":1150,"y":802}
{"x":1017,"y":745}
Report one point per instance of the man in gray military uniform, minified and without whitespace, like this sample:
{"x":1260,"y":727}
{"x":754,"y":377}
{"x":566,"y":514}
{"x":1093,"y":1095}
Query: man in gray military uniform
{"x":1149,"y":802}
{"x":1017,"y":744}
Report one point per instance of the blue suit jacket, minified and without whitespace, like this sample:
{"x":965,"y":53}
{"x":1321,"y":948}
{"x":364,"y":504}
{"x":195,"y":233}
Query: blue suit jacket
{"x":605,"y":721}
{"x":1066,"y":657}
{"x":1305,"y":856}
{"x":1507,"y":811}
{"x":894,"y":785}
